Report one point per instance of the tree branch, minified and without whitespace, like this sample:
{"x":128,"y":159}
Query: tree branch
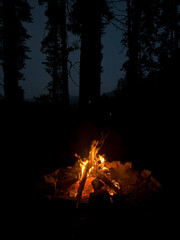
{"x":73,"y":66}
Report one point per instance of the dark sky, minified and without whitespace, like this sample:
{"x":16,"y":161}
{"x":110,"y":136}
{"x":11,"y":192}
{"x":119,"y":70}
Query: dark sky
{"x":37,"y":78}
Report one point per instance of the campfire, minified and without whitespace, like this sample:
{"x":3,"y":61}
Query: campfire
{"x":94,"y":175}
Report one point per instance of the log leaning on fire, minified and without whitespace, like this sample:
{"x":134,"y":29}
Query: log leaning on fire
{"x":109,"y":183}
{"x":97,"y":184}
{"x":81,"y":184}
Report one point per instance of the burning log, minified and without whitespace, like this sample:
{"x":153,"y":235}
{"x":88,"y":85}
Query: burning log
{"x":82,"y":183}
{"x":94,"y":177}
{"x":97,"y":184}
{"x":66,"y":183}
{"x":109,"y":183}
{"x":114,"y":173}
{"x":91,"y":162}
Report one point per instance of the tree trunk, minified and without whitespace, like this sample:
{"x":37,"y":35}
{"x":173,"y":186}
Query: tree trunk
{"x":90,"y":59}
{"x":175,"y":27}
{"x":175,"y":42}
{"x":134,"y":13}
{"x":63,"y":30}
{"x":55,"y":73}
{"x":10,"y":67}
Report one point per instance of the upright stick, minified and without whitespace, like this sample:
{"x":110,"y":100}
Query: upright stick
{"x":81,"y":184}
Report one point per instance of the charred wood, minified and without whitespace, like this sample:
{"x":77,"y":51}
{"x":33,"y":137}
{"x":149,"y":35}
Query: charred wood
{"x":97,"y":184}
{"x":108,"y":182}
{"x":66,"y":183}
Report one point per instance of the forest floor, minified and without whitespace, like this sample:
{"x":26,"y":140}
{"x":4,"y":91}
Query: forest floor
{"x":36,"y":139}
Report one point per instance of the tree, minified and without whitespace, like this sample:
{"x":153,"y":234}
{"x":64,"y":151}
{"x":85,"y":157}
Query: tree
{"x":151,"y":39}
{"x":90,"y":65}
{"x":63,"y":32}
{"x":14,"y":50}
{"x":131,"y":41}
{"x":143,"y":41}
{"x":168,"y":50}
{"x":1,"y":44}
{"x":87,"y":21}
{"x":51,"y":48}
{"x":54,"y":46}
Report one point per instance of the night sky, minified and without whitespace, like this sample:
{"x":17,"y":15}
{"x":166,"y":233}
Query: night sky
{"x":37,"y":78}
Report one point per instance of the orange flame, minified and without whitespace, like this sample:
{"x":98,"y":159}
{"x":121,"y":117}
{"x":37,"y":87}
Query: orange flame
{"x":95,"y":165}
{"x":96,"y":161}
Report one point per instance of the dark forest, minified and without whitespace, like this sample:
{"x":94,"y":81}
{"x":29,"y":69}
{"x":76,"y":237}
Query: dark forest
{"x":139,"y":118}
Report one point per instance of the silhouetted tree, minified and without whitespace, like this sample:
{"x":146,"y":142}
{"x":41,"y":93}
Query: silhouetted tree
{"x":134,"y":14}
{"x":51,"y":48}
{"x":1,"y":43}
{"x":151,"y":39}
{"x":13,"y":45}
{"x":63,"y":32}
{"x":168,"y":50}
{"x":88,"y":22}
{"x":54,"y":46}
{"x":132,"y":42}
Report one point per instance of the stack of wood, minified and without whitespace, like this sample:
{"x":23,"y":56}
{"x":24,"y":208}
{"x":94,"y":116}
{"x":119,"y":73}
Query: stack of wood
{"x":116,"y":179}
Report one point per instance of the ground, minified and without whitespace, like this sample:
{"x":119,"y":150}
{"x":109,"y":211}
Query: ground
{"x":36,"y":139}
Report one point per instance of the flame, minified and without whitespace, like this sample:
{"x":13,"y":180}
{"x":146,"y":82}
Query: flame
{"x":101,"y":160}
{"x":83,"y":166}
{"x":96,"y":165}
{"x":96,"y":161}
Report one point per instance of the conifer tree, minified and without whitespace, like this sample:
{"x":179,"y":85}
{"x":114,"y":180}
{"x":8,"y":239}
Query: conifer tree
{"x":88,"y":20}
{"x":54,"y":46}
{"x":169,"y":40}
{"x":13,"y":45}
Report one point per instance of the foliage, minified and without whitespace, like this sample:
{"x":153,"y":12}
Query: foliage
{"x":54,"y":47}
{"x":13,"y":48}
{"x":151,"y":32}
{"x":79,"y":9}
{"x":23,"y":14}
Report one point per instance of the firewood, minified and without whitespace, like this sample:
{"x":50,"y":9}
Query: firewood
{"x":114,"y":173}
{"x":97,"y":184}
{"x":62,"y":185}
{"x":81,"y":184}
{"x":109,"y":183}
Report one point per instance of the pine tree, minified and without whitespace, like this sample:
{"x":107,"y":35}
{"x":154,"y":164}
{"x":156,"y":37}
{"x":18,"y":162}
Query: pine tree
{"x":169,"y":40}
{"x":1,"y":44}
{"x":149,"y":37}
{"x":87,"y":20}
{"x":142,"y":41}
{"x":14,"y":50}
{"x":131,"y":41}
{"x":54,"y":46}
{"x":64,"y":52}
